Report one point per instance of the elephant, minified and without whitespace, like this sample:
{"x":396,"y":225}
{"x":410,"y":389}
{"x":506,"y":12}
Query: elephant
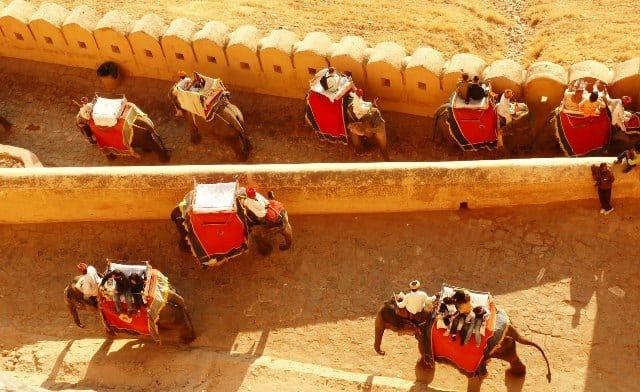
{"x":370,"y":127}
{"x":387,"y":318}
{"x":173,"y":317}
{"x":144,"y":136}
{"x":226,"y":111}
{"x":519,"y":129}
{"x":262,"y":232}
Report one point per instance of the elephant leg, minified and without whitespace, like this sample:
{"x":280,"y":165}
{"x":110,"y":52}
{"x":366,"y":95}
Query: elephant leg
{"x":424,"y":361}
{"x":176,"y":217}
{"x":287,"y":234}
{"x":188,"y":334}
{"x":264,"y":245}
{"x":194,"y":132}
{"x":381,"y":139}
{"x":357,"y":143}
{"x":158,"y":146}
{"x":507,"y":352}
{"x":474,"y":384}
{"x":232,"y":116}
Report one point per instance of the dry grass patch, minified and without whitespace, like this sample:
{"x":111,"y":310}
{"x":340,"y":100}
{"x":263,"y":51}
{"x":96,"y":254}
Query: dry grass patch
{"x":450,"y":26}
{"x":570,"y":31}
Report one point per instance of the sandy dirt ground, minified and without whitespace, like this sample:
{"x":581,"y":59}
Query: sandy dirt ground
{"x":304,"y":319}
{"x":44,"y":122}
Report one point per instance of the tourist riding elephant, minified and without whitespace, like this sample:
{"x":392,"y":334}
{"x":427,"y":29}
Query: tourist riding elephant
{"x":387,"y":318}
{"x":262,"y":233}
{"x":370,"y":127}
{"x":139,"y":134}
{"x":521,"y":134}
{"x":225,"y":110}
{"x":173,"y":317}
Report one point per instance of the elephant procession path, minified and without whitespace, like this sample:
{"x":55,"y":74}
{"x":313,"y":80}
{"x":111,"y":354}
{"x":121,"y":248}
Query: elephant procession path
{"x":304,"y":319}
{"x":38,"y":99}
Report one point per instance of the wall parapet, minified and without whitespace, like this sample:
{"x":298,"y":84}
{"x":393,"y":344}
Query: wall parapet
{"x":414,"y":83}
{"x":121,"y":193}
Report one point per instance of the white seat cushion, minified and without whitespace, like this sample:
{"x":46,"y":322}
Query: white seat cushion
{"x":107,"y":111}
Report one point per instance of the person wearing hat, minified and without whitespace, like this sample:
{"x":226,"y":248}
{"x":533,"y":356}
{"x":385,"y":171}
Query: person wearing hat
{"x":476,"y":91}
{"x":618,"y":114}
{"x":590,"y":107}
{"x":572,"y":99}
{"x":462,"y":300}
{"x":256,"y":205}
{"x":89,"y":283}
{"x":462,"y":87}
{"x":359,"y":106}
{"x":416,"y":302}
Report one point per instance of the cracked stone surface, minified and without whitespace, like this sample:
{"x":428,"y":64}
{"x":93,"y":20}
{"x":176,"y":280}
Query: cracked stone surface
{"x":316,"y":303}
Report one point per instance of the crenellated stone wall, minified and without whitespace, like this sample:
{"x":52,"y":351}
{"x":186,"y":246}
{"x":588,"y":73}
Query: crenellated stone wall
{"x":279,"y":62}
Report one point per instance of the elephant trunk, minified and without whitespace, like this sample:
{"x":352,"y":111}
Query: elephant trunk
{"x":175,"y":300}
{"x":287,"y":233}
{"x":379,"y":332}
{"x":72,"y":308}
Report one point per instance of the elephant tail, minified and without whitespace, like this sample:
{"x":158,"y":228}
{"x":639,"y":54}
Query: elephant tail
{"x":519,"y":339}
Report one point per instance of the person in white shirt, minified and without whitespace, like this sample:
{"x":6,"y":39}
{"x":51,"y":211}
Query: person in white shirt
{"x":504,"y":106}
{"x":89,"y":283}
{"x":86,"y":109}
{"x":256,"y":204}
{"x":359,"y":106}
{"x":416,"y":302}
{"x":618,"y":114}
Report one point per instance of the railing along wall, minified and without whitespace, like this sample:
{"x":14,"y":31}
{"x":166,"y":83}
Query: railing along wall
{"x":280,"y":63}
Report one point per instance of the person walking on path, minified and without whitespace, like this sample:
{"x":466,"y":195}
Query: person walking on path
{"x":604,"y":179}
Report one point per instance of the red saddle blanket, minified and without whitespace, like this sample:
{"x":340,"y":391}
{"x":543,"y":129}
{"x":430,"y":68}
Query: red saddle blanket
{"x":474,"y":128}
{"x":110,"y":137}
{"x":467,"y":357}
{"x":137,"y":323}
{"x":580,"y":135}
{"x":326,"y":117}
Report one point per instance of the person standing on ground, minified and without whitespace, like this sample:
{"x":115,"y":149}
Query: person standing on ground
{"x":604,"y":181}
